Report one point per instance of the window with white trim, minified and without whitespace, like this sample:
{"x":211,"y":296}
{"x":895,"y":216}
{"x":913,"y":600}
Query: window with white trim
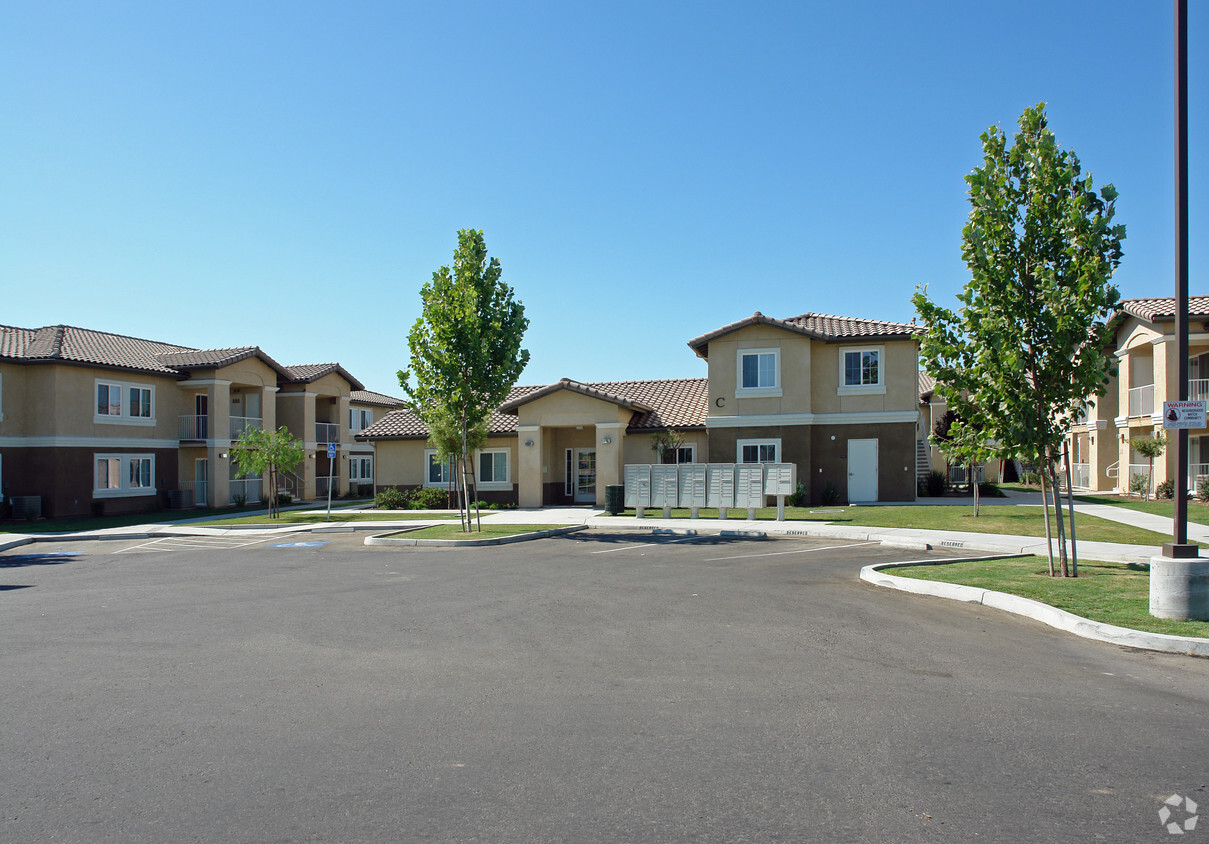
{"x":117,"y":475}
{"x":359,"y":419}
{"x":436,"y":471}
{"x":493,"y":467}
{"x":569,"y":478}
{"x":681,"y":454}
{"x":758,"y":372}
{"x":360,"y":469}
{"x":123,"y":402}
{"x":862,"y":370}
{"x":758,"y":451}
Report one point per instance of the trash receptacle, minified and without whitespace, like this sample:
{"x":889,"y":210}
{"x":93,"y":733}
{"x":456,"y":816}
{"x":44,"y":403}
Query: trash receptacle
{"x":614,"y":498}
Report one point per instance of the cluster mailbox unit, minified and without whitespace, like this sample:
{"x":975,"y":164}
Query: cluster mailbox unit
{"x":697,"y":485}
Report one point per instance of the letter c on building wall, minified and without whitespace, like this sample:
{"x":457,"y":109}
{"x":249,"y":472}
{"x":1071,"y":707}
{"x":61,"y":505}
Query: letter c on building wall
{"x":721,"y":402}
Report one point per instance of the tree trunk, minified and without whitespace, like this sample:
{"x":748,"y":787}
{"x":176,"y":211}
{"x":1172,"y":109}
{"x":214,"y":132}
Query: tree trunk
{"x":974,"y":486}
{"x":1049,"y":543}
{"x":465,"y":463}
{"x":1149,"y":480}
{"x":1070,"y":500}
{"x":1058,"y":520}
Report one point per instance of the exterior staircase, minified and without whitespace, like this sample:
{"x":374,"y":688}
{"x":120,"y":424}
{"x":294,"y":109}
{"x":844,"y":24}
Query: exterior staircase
{"x":923,"y":460}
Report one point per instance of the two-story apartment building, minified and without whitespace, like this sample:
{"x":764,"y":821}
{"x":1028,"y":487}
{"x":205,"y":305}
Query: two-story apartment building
{"x":835,"y":395}
{"x":1132,"y":403}
{"x":98,"y":422}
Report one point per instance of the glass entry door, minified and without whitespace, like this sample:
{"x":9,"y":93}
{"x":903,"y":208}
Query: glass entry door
{"x":585,"y":475}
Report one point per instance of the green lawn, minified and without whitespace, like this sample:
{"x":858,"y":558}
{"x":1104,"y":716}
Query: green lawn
{"x":1114,"y":593}
{"x":99,"y":522}
{"x":312,"y":517}
{"x":1198,"y":512}
{"x":1017,"y":520}
{"x":489,"y":531}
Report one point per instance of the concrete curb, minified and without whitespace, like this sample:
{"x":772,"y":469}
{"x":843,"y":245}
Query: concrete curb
{"x":465,"y":543}
{"x":1052,"y":616}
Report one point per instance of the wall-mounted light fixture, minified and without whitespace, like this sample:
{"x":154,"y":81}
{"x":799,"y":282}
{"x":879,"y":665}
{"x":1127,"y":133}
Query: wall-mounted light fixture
{"x":222,"y":455}
{"x":529,"y":443}
{"x":607,"y":440}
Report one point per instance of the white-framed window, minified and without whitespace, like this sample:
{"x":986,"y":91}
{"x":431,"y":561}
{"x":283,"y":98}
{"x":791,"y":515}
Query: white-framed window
{"x":493,"y":468}
{"x":360,"y":469}
{"x":359,"y":419}
{"x":569,"y":481}
{"x":118,"y":475}
{"x":862,"y":370}
{"x":436,"y":471}
{"x":758,"y":373}
{"x":681,"y":454}
{"x":758,"y":451}
{"x":123,"y":402}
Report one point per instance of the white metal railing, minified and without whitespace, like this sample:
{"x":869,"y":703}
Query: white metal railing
{"x":193,"y":427}
{"x":291,"y":483}
{"x":961,"y":475}
{"x":326,"y":432}
{"x":193,"y":493}
{"x":321,"y":486}
{"x":1080,"y":475}
{"x":1197,"y":472}
{"x":239,"y":424}
{"x":249,"y":488}
{"x":1198,"y":389}
{"x":1113,"y":470}
{"x":1141,"y":400}
{"x":1136,"y":469}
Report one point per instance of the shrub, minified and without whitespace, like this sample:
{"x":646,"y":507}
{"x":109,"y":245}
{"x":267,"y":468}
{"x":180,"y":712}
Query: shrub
{"x":1031,"y":477}
{"x":285,"y":498}
{"x":391,"y":499}
{"x":937,"y":483}
{"x":1165,"y":490}
{"x":1202,"y":491}
{"x":799,"y":497}
{"x":97,"y":507}
{"x":1139,"y":485}
{"x":240,"y":501}
{"x":990,"y":489}
{"x":831,"y":494}
{"x":428,"y":498}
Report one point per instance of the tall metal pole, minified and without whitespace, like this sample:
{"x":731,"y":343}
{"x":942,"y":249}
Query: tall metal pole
{"x":1180,"y":526}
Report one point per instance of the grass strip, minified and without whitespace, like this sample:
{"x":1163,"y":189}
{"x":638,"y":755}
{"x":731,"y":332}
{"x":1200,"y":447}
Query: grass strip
{"x":1016,"y":520}
{"x":1113,"y":593}
{"x":489,"y":531}
{"x":311,"y":517}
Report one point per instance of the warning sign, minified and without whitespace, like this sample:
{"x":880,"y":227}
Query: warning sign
{"x":1183,"y":414}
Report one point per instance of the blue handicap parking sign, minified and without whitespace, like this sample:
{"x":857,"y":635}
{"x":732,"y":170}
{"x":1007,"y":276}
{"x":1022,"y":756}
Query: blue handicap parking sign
{"x":298,"y":545}
{"x":331,"y":449}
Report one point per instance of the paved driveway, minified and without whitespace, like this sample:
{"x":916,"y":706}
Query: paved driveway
{"x":592,"y":688}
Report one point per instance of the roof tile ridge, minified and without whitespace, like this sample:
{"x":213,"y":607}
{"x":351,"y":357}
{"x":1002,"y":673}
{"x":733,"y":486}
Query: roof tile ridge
{"x":124,"y":336}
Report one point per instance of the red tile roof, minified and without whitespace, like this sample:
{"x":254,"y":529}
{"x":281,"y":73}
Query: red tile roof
{"x":376,"y":399}
{"x":1162,"y":309}
{"x":309,"y":372}
{"x":825,"y":327}
{"x":657,"y":404}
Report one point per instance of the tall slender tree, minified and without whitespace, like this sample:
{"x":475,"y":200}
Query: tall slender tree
{"x":466,"y":346}
{"x":1027,"y":347}
{"x":261,"y":452}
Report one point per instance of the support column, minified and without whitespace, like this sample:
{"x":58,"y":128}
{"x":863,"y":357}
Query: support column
{"x":529,"y":476}
{"x":218,"y":396}
{"x":609,"y":457}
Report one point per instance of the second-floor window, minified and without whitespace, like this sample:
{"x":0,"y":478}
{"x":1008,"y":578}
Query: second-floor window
{"x":118,"y":401}
{"x":759,"y":372}
{"x":862,"y":370}
{"x":358,"y":419}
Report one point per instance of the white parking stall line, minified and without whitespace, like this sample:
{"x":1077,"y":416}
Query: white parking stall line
{"x":646,"y":545}
{"x":190,"y":543}
{"x":795,"y":551}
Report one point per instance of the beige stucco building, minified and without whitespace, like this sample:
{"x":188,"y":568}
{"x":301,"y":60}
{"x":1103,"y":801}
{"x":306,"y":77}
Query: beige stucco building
{"x":93,"y":422}
{"x":1131,"y":404}
{"x":835,"y":395}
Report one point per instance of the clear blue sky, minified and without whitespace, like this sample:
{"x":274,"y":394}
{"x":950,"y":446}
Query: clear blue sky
{"x":289,"y":174}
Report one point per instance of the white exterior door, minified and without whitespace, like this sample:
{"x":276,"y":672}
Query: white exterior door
{"x":862,"y":470}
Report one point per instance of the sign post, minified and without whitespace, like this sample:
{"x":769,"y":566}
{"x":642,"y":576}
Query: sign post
{"x":331,"y":465}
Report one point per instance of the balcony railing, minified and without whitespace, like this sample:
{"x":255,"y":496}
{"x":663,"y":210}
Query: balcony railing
{"x":1141,"y":401}
{"x":1198,"y":389}
{"x":1138,"y":470}
{"x":961,"y":474}
{"x":1080,"y":475}
{"x":239,"y":424}
{"x":326,"y":432}
{"x":1197,"y":472}
{"x":249,"y":488}
{"x":193,"y":428}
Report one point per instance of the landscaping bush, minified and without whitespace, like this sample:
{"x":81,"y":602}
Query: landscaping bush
{"x":936,"y":484}
{"x":799,"y":498}
{"x":240,"y":501}
{"x":831,"y":494}
{"x":1165,"y":490}
{"x":1202,"y":491}
{"x":990,"y":489}
{"x":1031,"y":477}
{"x":285,"y":498}
{"x":428,"y":498}
{"x":391,"y":499}
{"x":1139,"y":485}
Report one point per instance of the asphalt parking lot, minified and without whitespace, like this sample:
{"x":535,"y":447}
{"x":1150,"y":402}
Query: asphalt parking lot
{"x":594,"y":687}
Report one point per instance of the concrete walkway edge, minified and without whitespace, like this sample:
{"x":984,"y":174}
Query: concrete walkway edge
{"x":463,"y":543}
{"x":1052,"y":616}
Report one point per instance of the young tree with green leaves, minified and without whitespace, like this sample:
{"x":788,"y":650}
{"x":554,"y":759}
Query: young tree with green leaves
{"x":258,"y":452}
{"x":666,"y":442}
{"x":966,"y":445}
{"x":466,"y":347}
{"x":1028,"y":345}
{"x":1150,"y":448}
